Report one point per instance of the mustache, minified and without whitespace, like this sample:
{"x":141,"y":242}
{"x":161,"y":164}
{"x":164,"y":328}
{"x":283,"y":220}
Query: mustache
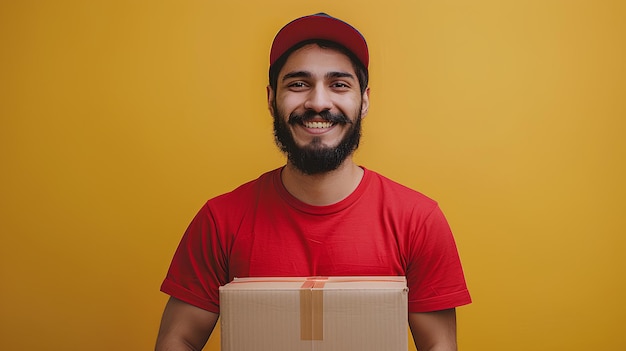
{"x":338,"y":118}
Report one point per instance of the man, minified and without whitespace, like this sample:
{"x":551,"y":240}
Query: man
{"x":320,"y":214}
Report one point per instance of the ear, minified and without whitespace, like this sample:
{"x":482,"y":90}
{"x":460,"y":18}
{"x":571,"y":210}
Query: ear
{"x":271,"y":95}
{"x":365,"y":102}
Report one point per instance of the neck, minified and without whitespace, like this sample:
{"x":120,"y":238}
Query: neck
{"x":324,"y":188}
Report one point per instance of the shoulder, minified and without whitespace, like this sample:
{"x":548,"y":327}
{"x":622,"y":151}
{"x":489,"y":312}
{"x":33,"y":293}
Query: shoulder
{"x":244,"y":193}
{"x":231,"y":208}
{"x":394,"y":192}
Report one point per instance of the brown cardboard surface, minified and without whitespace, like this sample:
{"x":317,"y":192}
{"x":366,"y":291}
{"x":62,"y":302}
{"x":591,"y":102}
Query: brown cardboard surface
{"x":314,"y":314}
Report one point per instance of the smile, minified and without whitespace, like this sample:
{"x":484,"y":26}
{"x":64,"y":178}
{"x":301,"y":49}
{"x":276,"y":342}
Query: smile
{"x":318,"y":124}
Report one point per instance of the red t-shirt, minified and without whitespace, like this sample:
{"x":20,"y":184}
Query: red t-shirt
{"x":260,"y":230}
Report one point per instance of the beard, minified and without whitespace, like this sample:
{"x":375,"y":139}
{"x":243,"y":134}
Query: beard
{"x":316,"y":158}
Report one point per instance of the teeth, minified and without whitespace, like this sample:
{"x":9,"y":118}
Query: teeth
{"x":317,"y":124}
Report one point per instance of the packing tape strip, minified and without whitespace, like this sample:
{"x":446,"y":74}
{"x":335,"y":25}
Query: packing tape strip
{"x":312,"y":310}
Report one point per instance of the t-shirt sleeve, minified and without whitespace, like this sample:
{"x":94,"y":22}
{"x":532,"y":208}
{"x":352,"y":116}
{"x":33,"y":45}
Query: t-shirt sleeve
{"x":198,"y":267}
{"x":434,"y":273}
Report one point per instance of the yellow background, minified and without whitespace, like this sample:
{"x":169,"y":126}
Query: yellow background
{"x":120,"y":118}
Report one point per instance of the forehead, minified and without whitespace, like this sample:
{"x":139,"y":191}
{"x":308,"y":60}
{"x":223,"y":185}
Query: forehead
{"x":313,"y":58}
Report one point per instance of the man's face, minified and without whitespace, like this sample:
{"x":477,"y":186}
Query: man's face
{"x":317,"y":109}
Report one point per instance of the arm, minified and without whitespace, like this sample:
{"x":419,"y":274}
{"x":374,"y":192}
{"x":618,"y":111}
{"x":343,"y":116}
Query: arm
{"x":184,"y":327}
{"x":434,"y":331}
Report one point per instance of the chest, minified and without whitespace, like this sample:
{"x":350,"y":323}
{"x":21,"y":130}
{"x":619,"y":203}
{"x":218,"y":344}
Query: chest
{"x":296,"y":244}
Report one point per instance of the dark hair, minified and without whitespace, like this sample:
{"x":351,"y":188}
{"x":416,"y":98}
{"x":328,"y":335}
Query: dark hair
{"x":359,"y":68}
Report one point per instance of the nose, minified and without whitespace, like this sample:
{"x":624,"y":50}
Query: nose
{"x":318,"y":100}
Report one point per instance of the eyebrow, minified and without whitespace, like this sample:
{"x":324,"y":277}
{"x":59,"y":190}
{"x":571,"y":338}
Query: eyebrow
{"x":307,"y":74}
{"x":296,"y":74}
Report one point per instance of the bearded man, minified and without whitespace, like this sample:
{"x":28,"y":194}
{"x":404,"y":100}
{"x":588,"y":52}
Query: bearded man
{"x":321,"y":214}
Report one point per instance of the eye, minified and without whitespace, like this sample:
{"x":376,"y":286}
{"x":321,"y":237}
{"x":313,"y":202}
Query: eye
{"x":340,"y":85}
{"x":296,"y":84}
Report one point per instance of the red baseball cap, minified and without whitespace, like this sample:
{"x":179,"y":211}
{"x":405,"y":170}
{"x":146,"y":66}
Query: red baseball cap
{"x":319,"y":26}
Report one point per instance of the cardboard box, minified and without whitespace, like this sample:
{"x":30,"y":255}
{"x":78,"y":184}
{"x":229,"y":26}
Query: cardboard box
{"x":314,"y":314}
